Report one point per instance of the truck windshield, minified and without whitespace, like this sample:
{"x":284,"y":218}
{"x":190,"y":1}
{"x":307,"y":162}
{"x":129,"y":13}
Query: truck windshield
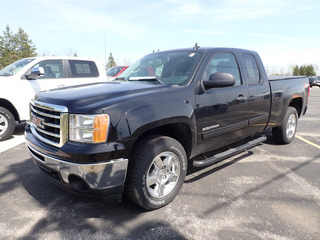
{"x":171,"y":68}
{"x":15,"y":67}
{"x":114,"y":71}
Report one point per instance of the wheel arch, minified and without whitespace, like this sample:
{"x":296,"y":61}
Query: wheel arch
{"x":297,"y":104}
{"x":179,"y":131}
{"x":9,"y":106}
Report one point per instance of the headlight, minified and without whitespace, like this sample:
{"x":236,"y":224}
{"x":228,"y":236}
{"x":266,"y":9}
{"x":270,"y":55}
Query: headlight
{"x":88,"y":128}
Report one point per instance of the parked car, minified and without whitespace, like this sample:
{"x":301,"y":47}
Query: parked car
{"x":114,"y":72}
{"x":21,"y":80}
{"x":314,"y":81}
{"x":137,"y":136}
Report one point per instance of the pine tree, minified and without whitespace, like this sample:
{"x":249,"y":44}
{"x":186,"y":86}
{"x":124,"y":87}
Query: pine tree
{"x":7,"y":54}
{"x":296,"y":71}
{"x":302,"y":70}
{"x":309,"y":71}
{"x":15,"y":46}
{"x":111,"y":62}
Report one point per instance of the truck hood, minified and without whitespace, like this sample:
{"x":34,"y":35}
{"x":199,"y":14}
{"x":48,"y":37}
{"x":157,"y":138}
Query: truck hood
{"x":80,"y":98}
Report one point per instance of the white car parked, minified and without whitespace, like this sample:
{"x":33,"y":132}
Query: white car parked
{"x":21,"y":80}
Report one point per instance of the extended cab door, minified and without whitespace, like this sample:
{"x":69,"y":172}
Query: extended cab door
{"x":258,"y":89}
{"x":222,"y":113}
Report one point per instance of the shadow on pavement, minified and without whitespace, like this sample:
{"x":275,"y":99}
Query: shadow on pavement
{"x":75,"y":217}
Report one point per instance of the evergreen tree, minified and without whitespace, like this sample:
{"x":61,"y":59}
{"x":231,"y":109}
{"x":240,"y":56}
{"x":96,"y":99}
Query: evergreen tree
{"x":111,"y":62}
{"x":296,"y":71}
{"x":24,"y":45}
{"x":15,"y":46}
{"x":7,"y":48}
{"x":309,"y":70}
{"x":302,"y":71}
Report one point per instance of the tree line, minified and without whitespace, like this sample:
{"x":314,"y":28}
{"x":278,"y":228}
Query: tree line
{"x":14,"y":46}
{"x":304,"y":70}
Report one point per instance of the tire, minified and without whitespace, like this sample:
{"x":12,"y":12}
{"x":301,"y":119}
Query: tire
{"x":156,"y":172}
{"x":7,"y":124}
{"x":285,"y":133}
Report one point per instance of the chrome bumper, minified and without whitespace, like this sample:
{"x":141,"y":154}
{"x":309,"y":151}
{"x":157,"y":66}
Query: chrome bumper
{"x":98,"y":176}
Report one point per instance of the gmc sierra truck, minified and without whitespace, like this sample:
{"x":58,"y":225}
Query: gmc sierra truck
{"x":137,"y":135}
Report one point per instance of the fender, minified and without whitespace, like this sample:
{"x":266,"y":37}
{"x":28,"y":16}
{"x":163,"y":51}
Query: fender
{"x":282,"y":96}
{"x":173,"y":109}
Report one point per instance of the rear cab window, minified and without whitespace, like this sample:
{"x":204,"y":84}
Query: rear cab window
{"x":83,"y":69}
{"x":251,"y":69}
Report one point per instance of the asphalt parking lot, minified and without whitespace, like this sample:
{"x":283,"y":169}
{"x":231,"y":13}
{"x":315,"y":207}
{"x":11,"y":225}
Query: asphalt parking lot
{"x":268,"y":192}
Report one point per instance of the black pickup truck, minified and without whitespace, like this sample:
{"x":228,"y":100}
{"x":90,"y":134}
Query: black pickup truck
{"x":138,"y":134}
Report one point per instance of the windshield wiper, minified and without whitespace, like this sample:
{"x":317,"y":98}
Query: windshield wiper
{"x":146,"y":78}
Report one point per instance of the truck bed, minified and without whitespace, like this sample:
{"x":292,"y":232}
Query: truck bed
{"x":275,"y":78}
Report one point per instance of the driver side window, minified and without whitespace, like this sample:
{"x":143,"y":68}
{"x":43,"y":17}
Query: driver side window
{"x":52,"y":69}
{"x":225,"y":63}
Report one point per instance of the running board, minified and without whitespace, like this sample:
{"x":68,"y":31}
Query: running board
{"x":233,"y":151}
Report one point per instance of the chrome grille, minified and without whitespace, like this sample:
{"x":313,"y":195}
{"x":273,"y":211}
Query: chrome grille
{"x":49,"y":122}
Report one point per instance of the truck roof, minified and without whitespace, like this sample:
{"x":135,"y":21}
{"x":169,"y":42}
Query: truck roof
{"x":63,"y":57}
{"x":208,"y":49}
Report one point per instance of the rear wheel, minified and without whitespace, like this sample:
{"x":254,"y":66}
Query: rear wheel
{"x":156,"y":172}
{"x":285,"y":133}
{"x":7,"y":124}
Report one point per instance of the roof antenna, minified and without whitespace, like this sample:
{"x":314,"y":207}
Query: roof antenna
{"x":196,"y":47}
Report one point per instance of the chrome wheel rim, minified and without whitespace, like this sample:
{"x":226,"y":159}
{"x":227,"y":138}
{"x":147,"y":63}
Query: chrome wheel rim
{"x":3,"y":124}
{"x":163,"y":174}
{"x":291,"y":126}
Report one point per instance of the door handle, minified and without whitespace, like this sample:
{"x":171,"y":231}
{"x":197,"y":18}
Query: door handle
{"x":241,"y":97}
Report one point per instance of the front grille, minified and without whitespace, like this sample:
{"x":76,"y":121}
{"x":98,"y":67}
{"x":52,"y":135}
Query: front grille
{"x":49,"y":122}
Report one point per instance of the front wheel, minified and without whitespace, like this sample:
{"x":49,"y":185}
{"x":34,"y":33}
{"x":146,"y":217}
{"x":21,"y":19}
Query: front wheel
{"x":285,"y":133}
{"x":7,"y":124}
{"x":156,"y":172}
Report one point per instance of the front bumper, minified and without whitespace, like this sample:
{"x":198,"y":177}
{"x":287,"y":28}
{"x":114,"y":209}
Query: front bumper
{"x":107,"y":177}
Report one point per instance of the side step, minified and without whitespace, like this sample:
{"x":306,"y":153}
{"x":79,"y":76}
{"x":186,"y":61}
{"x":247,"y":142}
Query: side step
{"x":233,"y":151}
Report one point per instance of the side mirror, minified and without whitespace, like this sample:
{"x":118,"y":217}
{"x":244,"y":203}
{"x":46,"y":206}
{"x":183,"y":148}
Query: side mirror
{"x":35,"y":72}
{"x":219,"y":80}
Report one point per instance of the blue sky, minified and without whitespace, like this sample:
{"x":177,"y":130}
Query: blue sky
{"x":283,"y":32}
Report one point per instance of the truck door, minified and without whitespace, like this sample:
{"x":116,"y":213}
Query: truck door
{"x":259,"y":92}
{"x":222,"y":113}
{"x":54,"y":75}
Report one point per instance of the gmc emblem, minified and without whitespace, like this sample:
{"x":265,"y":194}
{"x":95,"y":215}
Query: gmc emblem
{"x":37,"y":121}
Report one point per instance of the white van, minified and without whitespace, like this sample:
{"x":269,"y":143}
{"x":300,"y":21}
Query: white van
{"x":21,"y":80}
